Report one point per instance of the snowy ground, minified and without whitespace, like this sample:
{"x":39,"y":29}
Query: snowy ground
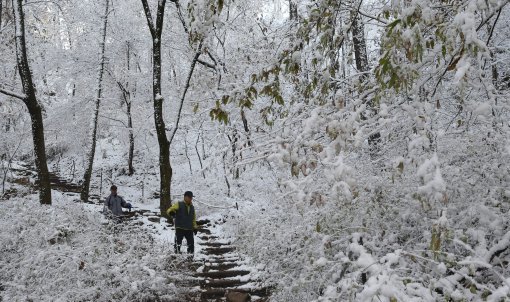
{"x":71,"y":252}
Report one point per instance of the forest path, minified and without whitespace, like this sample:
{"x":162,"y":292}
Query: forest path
{"x":217,"y":273}
{"x":25,"y":175}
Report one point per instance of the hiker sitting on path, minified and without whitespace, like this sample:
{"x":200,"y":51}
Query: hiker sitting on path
{"x":114,"y":203}
{"x":185,"y":222}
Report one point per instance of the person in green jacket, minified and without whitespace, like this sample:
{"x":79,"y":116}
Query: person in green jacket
{"x":185,"y":222}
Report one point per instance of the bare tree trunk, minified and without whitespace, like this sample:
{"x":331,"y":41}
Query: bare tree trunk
{"x":9,"y":157}
{"x":84,"y":196}
{"x":131,"y":170}
{"x":360,"y":48}
{"x":235,"y":156}
{"x":186,"y":152}
{"x":165,"y":169}
{"x":185,"y":90}
{"x":127,"y":99}
{"x":125,"y":89}
{"x":494,"y":68}
{"x":246,"y":127}
{"x":293,"y":14}
{"x":198,"y":153}
{"x":225,"y":173}
{"x":361,"y":58}
{"x":34,"y":108}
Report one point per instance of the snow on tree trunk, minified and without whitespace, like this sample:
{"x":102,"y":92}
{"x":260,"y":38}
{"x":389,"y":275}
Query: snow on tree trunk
{"x":127,"y":99}
{"x":95,"y":116}
{"x":361,"y":58}
{"x":33,"y":106}
{"x":165,"y":169}
{"x":360,"y":48}
{"x":293,"y":12}
{"x":131,"y":140}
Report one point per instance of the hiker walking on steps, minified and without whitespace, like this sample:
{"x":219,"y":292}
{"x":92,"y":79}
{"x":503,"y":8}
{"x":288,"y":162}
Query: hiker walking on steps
{"x":114,"y":203}
{"x":185,"y":222}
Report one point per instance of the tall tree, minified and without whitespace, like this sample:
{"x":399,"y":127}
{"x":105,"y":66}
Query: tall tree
{"x":127,"y":99}
{"x":126,"y":89}
{"x":93,"y":136}
{"x":165,"y":169}
{"x":33,"y":105}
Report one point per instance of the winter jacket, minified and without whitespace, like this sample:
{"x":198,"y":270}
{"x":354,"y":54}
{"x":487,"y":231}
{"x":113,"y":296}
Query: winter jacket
{"x":115,"y":203}
{"x":185,"y":216}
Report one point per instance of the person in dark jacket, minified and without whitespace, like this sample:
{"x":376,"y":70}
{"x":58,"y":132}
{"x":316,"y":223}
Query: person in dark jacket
{"x":185,"y":222}
{"x":114,"y":203}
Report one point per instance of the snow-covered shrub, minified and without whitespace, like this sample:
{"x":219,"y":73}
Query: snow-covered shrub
{"x":396,"y":239}
{"x":65,"y":253}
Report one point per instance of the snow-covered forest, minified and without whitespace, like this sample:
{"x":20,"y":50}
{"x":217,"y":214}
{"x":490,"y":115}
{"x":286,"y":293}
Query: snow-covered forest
{"x":342,"y":150}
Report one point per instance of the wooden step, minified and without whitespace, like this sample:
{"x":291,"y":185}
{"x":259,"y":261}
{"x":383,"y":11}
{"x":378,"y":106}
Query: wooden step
{"x":225,"y":266}
{"x":205,"y":237}
{"x":222,"y":283}
{"x":223,"y":259}
{"x":203,"y":221}
{"x":219,"y":250}
{"x":215,"y":293}
{"x":204,"y":231}
{"x":214,"y":244}
{"x":223,"y":274}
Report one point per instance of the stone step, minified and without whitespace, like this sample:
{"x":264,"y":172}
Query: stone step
{"x":225,"y":266}
{"x":205,"y":237}
{"x":203,"y":221}
{"x":223,"y":274}
{"x":215,"y":293}
{"x":215,"y":244}
{"x":219,"y":250}
{"x":223,"y":259}
{"x":222,"y":283}
{"x":212,"y":261}
{"x":155,"y":219}
{"x":204,"y":231}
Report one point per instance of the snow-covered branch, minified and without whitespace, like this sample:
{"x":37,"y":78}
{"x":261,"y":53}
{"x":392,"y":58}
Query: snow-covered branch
{"x":499,"y":248}
{"x":148,"y":15}
{"x":13,"y":94}
{"x":185,"y":91}
{"x":495,"y":11}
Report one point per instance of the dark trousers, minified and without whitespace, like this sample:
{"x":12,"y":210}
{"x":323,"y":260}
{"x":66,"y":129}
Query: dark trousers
{"x":179,"y":235}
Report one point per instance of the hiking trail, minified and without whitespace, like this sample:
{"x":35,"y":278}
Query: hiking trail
{"x":217,"y":273}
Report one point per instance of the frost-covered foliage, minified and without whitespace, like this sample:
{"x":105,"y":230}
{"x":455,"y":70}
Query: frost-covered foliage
{"x":410,"y":223}
{"x":395,"y":188}
{"x":66,"y":252}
